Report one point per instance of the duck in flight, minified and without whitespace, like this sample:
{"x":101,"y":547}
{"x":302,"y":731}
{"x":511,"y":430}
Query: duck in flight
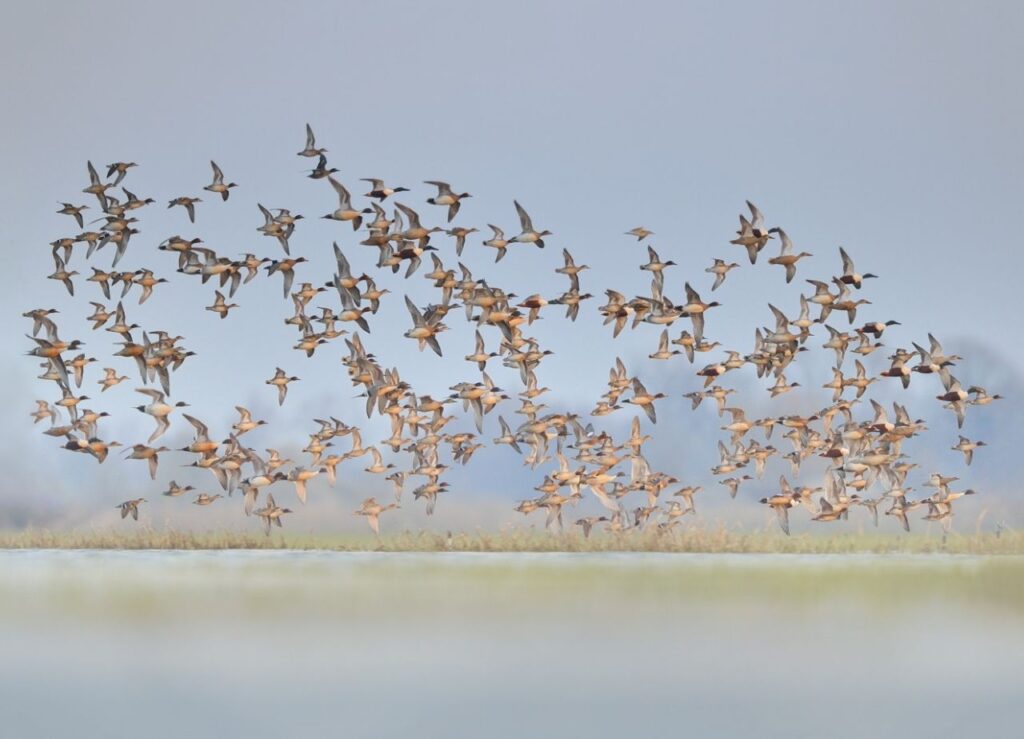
{"x":529,"y":234}
{"x":311,"y":149}
{"x":75,"y":211}
{"x":371,"y":509}
{"x":640,"y":232}
{"x":218,"y":186}
{"x":321,"y":170}
{"x":447,"y":196}
{"x":345,"y":211}
{"x":280,"y":380}
{"x":787,"y":256}
{"x":220,"y":305}
{"x":120,"y":169}
{"x":131,"y":508}
{"x":752,"y":234}
{"x":381,"y":191}
{"x":271,"y":513}
{"x":159,"y":409}
{"x":188,"y":203}
{"x":720,"y":269}
{"x":850,"y":275}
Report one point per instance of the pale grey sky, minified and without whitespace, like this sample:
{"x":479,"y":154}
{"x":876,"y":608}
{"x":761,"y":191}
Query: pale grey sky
{"x":893,"y":129}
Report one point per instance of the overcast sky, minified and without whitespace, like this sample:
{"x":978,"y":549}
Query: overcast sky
{"x":893,"y":129}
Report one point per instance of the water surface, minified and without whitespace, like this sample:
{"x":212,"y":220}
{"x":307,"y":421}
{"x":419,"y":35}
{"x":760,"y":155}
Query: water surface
{"x":273,"y":643}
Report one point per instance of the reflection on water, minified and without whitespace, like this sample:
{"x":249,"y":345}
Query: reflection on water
{"x":258,"y":643}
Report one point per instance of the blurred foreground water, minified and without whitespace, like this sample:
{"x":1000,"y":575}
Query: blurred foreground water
{"x":283,"y":643}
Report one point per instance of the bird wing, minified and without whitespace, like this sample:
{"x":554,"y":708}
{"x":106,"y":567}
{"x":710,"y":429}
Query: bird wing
{"x":787,"y":245}
{"x":156,"y":395}
{"x":344,"y":198}
{"x":783,"y":515}
{"x":847,"y":262}
{"x":698,"y":326}
{"x":756,"y":217}
{"x":443,"y":188}
{"x":781,"y":322}
{"x":417,"y":317}
{"x":651,"y":414}
{"x":524,"y":218}
{"x":413,"y":216}
{"x":201,"y":430}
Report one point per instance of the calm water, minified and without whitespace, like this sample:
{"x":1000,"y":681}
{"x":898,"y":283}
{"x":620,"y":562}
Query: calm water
{"x":269,"y":644}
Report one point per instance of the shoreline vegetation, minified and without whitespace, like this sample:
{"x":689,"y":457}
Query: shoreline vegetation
{"x":703,"y":541}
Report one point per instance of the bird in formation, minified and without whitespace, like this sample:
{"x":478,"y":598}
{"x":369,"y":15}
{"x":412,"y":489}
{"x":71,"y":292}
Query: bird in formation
{"x":577,"y":459}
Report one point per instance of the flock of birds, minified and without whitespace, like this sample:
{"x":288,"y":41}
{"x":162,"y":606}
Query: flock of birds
{"x":866,"y":465}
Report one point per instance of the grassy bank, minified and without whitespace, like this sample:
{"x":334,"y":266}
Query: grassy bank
{"x":719,"y":540}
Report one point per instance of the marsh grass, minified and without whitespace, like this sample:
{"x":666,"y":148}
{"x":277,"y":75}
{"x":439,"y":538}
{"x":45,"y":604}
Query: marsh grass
{"x":720,"y":540}
{"x":523,"y":589}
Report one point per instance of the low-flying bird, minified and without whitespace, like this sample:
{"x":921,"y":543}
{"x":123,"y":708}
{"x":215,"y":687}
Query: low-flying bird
{"x":271,"y":513}
{"x":371,"y":509}
{"x":131,"y":508}
{"x":150,"y":454}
